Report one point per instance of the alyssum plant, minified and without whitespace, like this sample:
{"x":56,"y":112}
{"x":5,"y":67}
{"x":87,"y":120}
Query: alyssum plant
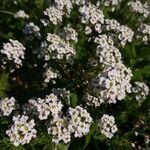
{"x":71,"y":74}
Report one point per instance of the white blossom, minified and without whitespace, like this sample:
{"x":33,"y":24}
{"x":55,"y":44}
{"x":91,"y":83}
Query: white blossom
{"x":80,"y":120}
{"x":59,"y":49}
{"x":14,"y":51}
{"x":112,"y":3}
{"x":144,"y":30}
{"x":21,"y":14}
{"x":107,"y":126}
{"x":60,"y":130}
{"x":51,"y":75}
{"x":51,"y":105}
{"x":22,"y":131}
{"x":54,"y":14}
{"x":7,"y":105}
{"x":77,"y":123}
{"x":91,"y":14}
{"x":141,"y":90}
{"x":69,"y":34}
{"x":140,"y":8}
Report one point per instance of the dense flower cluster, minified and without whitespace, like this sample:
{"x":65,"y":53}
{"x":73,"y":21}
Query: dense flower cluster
{"x":111,"y":85}
{"x":14,"y":51}
{"x":77,"y":123}
{"x":108,"y":54}
{"x":60,"y":130}
{"x":91,"y":14}
{"x":124,"y":33}
{"x":69,"y":34}
{"x":7,"y":105}
{"x":51,"y":105}
{"x":59,"y":49}
{"x":80,"y":120}
{"x":22,"y":131}
{"x":141,"y":90}
{"x":140,"y":8}
{"x":54,"y":14}
{"x":107,"y":126}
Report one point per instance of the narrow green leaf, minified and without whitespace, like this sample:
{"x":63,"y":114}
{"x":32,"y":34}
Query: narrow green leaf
{"x":73,"y":100}
{"x":7,"y":12}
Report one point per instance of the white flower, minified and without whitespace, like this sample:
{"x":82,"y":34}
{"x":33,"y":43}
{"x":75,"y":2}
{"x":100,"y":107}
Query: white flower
{"x":54,"y":14}
{"x":107,"y":126}
{"x":51,"y":105}
{"x":77,"y":123}
{"x":88,"y":30}
{"x":91,"y":14}
{"x":80,"y":120}
{"x":59,"y":49}
{"x":60,"y":130}
{"x":144,"y":30}
{"x":141,"y":90}
{"x":14,"y":51}
{"x":50,"y":75}
{"x":21,"y":14}
{"x":112,"y":3}
{"x":140,"y":8}
{"x":22,"y":131}
{"x":69,"y":34}
{"x":7,"y":105}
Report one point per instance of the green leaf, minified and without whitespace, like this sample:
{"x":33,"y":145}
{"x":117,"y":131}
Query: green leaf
{"x":63,"y":146}
{"x":39,"y":3}
{"x":73,"y":100}
{"x":99,"y":137}
{"x":137,"y":75}
{"x":7,"y":12}
{"x":88,"y":136}
{"x":129,"y":52}
{"x":4,"y":84}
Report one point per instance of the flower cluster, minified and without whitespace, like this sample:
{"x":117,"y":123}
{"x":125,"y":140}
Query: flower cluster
{"x":21,"y":14}
{"x":65,"y":5}
{"x":112,"y":3}
{"x":77,"y":123}
{"x":91,"y":14}
{"x":107,"y":126}
{"x":110,"y":85}
{"x":145,"y":31}
{"x":51,"y":105}
{"x":69,"y":34}
{"x":108,"y":54}
{"x":80,"y":120}
{"x":54,"y":15}
{"x":50,"y":75}
{"x":124,"y":33}
{"x":140,"y":8}
{"x":60,"y":130}
{"x":59,"y":49}
{"x":7,"y":105}
{"x":22,"y":131}
{"x":14,"y":51}
{"x":31,"y":30}
{"x":141,"y":90}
